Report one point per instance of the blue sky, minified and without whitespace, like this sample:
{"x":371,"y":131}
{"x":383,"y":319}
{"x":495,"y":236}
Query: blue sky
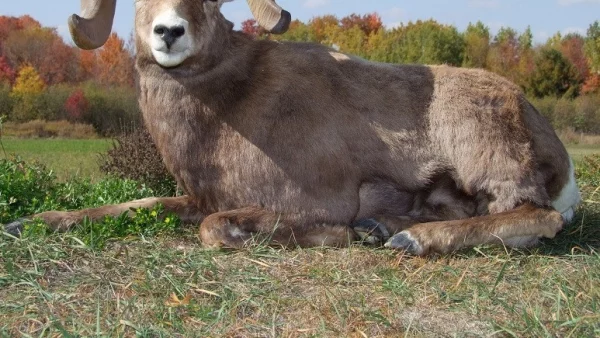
{"x":545,"y":17}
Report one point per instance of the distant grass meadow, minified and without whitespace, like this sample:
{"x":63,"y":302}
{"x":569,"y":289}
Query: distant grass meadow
{"x":149,"y":277}
{"x":66,"y":157}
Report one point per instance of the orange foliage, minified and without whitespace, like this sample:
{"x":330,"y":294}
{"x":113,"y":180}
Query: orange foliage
{"x":368,"y":23}
{"x":115,"y":63}
{"x":572,"y":48}
{"x":591,"y":84}
{"x":88,"y":64}
{"x":43,"y":49}
{"x":321,"y":24}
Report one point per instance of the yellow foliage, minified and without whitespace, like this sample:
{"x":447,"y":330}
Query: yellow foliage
{"x":28,"y":82}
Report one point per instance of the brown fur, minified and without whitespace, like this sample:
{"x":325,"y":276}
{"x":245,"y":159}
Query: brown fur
{"x":298,"y":142}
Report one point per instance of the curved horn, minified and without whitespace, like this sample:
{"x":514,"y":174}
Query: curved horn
{"x":92,"y":28}
{"x":270,"y":16}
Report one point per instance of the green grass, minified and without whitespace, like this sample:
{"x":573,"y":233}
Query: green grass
{"x":578,"y":151}
{"x":140,"y":283}
{"x":67,"y":157}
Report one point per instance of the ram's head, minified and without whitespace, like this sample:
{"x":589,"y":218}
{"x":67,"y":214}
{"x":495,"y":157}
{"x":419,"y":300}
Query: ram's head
{"x":166,"y":24}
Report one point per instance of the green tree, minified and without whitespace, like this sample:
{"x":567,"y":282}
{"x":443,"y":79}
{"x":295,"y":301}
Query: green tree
{"x":554,"y":75}
{"x":427,"y":42}
{"x":477,"y":45}
{"x":592,"y":47}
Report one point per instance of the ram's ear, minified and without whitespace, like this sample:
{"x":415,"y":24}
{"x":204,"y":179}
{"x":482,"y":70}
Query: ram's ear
{"x":92,"y":28}
{"x":270,"y":16}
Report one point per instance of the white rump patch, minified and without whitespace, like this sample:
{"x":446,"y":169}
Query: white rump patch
{"x":569,"y":196}
{"x":180,"y":50}
{"x":339,"y":56}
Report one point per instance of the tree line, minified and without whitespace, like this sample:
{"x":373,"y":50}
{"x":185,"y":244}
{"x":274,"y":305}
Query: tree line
{"x":42,"y":77}
{"x":564,"y":65}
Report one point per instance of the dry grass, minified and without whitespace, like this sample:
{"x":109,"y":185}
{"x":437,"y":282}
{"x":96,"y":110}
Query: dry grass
{"x":54,"y":285}
{"x":45,"y":129}
{"x":569,"y":136}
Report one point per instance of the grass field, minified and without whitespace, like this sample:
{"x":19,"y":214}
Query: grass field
{"x":57,"y":285}
{"x":66,"y":157}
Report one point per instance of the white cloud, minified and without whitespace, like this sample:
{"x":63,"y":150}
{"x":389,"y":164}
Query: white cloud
{"x":484,"y":3}
{"x":316,"y":3}
{"x":576,"y":2}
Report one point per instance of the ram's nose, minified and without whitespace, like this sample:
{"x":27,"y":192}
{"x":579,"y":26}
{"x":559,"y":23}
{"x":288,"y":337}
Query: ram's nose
{"x":169,"y":34}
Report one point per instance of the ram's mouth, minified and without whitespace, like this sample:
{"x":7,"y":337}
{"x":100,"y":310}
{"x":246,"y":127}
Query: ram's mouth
{"x":170,"y":58}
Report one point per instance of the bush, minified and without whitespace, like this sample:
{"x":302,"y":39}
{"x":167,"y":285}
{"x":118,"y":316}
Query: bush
{"x":6,"y":101}
{"x":29,"y":188}
{"x":134,"y":156}
{"x":24,"y":188}
{"x":581,"y":115}
{"x":112,"y":111}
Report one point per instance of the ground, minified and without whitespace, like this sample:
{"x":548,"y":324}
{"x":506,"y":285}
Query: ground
{"x":168,"y":285}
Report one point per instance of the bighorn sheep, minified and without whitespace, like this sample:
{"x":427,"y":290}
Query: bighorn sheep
{"x":312,"y":147}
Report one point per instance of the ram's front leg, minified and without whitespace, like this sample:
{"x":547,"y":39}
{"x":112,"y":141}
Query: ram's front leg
{"x":182,"y":206}
{"x":240,"y":227}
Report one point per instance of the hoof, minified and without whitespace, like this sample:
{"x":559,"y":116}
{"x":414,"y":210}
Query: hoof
{"x":370,"y":231}
{"x":405,"y":241}
{"x":15,"y":228}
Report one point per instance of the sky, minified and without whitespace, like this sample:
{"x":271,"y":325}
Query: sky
{"x":546,"y":17}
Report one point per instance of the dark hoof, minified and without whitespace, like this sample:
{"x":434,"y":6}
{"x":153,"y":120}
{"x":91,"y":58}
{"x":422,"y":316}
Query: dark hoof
{"x":370,"y":231}
{"x":405,"y":241}
{"x":15,"y":228}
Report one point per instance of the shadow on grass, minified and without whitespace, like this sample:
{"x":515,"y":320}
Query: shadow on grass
{"x":580,"y":237}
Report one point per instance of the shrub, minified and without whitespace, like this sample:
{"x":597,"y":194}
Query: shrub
{"x":50,"y":105}
{"x":6,"y":101}
{"x":112,"y":111}
{"x":24,"y":188}
{"x":579,"y":115}
{"x":29,"y":188}
{"x":76,"y":105}
{"x":134,"y":156}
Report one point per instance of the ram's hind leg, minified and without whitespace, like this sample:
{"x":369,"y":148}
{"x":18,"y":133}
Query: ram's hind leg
{"x":187,"y":211}
{"x":521,"y":226}
{"x":240,"y":227}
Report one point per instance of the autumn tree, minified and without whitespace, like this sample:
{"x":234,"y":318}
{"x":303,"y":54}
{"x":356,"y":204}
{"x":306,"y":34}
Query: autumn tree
{"x":7,"y":74}
{"x":321,"y":26}
{"x":572,"y":48}
{"x":43,"y":49}
{"x":367,"y":23}
{"x":503,"y":57}
{"x":115,"y":63}
{"x":477,"y":45}
{"x":76,"y":106}
{"x":28,"y":86}
{"x":9,"y":24}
